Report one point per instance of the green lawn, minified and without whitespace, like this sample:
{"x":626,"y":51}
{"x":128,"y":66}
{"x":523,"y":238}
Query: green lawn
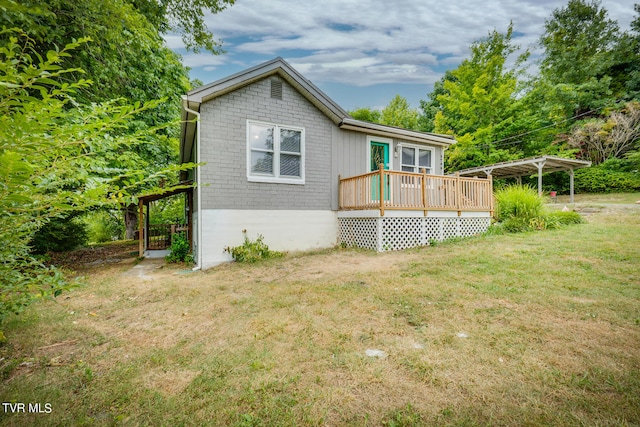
{"x":531,"y":329}
{"x":616,"y":198}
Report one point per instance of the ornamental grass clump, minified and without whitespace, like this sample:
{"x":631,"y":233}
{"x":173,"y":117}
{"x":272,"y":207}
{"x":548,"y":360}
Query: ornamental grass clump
{"x":519,"y":208}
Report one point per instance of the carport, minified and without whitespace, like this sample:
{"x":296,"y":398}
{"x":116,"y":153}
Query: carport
{"x":529,"y":167}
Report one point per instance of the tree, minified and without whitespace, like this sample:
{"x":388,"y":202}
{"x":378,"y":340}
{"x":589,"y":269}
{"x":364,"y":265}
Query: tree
{"x":578,"y":67}
{"x":366,"y":114}
{"x":54,"y":159}
{"x":127,"y":58}
{"x":185,"y":17}
{"x":478,"y":102}
{"x":628,"y":54}
{"x":430,"y":107}
{"x":396,"y":113}
{"x":399,"y":113}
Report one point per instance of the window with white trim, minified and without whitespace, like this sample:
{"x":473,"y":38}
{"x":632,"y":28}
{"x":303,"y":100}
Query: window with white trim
{"x":414,"y":159}
{"x":275,"y":153}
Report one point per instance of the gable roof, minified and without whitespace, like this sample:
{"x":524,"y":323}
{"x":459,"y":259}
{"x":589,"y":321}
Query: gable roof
{"x":278,"y":66}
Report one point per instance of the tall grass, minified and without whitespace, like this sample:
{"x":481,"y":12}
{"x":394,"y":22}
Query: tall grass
{"x":521,"y":208}
{"x":518,"y":201}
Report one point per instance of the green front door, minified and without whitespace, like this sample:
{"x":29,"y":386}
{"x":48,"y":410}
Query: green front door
{"x":379,"y":153}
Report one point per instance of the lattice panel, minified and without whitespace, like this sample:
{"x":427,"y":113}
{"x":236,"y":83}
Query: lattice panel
{"x":450,"y":228}
{"x":359,"y":232}
{"x":408,"y":232}
{"x":401,"y":233}
{"x":473,"y":226}
{"x":432,"y":229}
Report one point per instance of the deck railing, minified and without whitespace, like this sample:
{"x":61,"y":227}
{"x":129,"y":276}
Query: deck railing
{"x":414,"y":191}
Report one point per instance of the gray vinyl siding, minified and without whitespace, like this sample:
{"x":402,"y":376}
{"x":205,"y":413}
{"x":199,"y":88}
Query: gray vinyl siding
{"x":351,"y":158}
{"x":224,"y":149}
{"x":352,"y":153}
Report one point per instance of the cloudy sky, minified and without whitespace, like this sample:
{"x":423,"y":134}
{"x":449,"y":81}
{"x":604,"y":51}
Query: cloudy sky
{"x":364,"y":52}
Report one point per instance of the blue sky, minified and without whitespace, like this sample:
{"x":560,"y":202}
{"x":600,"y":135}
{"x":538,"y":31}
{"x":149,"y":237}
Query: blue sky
{"x":363,"y":52}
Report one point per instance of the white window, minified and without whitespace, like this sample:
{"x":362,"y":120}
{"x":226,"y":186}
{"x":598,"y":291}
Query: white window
{"x":414,"y":159}
{"x":275,"y":153}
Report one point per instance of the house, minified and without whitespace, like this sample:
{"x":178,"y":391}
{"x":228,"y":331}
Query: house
{"x":279,"y":158}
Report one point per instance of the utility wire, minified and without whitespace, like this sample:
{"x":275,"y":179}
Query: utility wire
{"x":496,"y":144}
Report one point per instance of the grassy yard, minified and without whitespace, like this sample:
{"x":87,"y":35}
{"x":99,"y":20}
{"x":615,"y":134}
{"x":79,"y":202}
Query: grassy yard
{"x":531,"y":329}
{"x":606,"y":198}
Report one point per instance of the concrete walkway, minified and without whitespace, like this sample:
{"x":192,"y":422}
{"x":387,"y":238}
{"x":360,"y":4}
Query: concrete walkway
{"x":145,"y":268}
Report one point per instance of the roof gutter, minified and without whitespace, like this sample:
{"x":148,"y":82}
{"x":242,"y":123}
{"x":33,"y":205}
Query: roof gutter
{"x":395,"y":132}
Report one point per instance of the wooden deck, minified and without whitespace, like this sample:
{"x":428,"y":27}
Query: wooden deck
{"x":415,"y":191}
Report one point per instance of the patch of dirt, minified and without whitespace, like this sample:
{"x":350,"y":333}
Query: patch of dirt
{"x":169,"y":383}
{"x":94,"y":255}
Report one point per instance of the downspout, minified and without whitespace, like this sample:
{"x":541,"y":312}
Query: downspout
{"x":198,"y":265}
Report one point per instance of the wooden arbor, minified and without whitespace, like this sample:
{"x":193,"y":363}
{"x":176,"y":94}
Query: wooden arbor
{"x":165,"y":231}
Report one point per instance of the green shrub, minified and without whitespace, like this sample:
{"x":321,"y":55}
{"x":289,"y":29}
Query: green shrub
{"x":606,"y":178}
{"x":104,"y":226}
{"x":565,"y":218}
{"x":252,"y":251}
{"x":60,"y":235}
{"x":180,"y":250}
{"x":518,"y":201}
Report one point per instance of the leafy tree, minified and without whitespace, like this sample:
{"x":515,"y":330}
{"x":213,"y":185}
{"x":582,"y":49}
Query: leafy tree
{"x":396,"y":113}
{"x":127,"y":58}
{"x":366,"y":114}
{"x":431,"y":107}
{"x":185,"y":17}
{"x":54,"y":160}
{"x":399,"y":113}
{"x":578,"y":40}
{"x":578,"y":68}
{"x":627,"y":68}
{"x":478,"y":103}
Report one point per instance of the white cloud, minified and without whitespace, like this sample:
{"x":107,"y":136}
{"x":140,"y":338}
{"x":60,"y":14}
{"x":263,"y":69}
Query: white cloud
{"x":174,"y":41}
{"x":365,"y":42}
{"x":203,"y":60}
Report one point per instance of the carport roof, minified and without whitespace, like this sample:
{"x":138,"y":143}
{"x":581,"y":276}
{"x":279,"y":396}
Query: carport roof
{"x":526,"y":167}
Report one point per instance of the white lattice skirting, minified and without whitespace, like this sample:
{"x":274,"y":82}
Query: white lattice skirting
{"x":396,"y":233}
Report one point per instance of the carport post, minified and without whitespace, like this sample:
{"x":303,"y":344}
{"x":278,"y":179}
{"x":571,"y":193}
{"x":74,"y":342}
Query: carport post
{"x":571,"y":190}
{"x":540,"y":165}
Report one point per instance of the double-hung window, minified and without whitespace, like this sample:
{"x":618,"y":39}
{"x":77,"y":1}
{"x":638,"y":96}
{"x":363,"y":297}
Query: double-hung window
{"x":275,"y":153}
{"x":414,"y":159}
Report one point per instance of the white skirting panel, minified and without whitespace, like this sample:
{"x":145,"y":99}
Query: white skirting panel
{"x":401,"y":232}
{"x":283,"y":230}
